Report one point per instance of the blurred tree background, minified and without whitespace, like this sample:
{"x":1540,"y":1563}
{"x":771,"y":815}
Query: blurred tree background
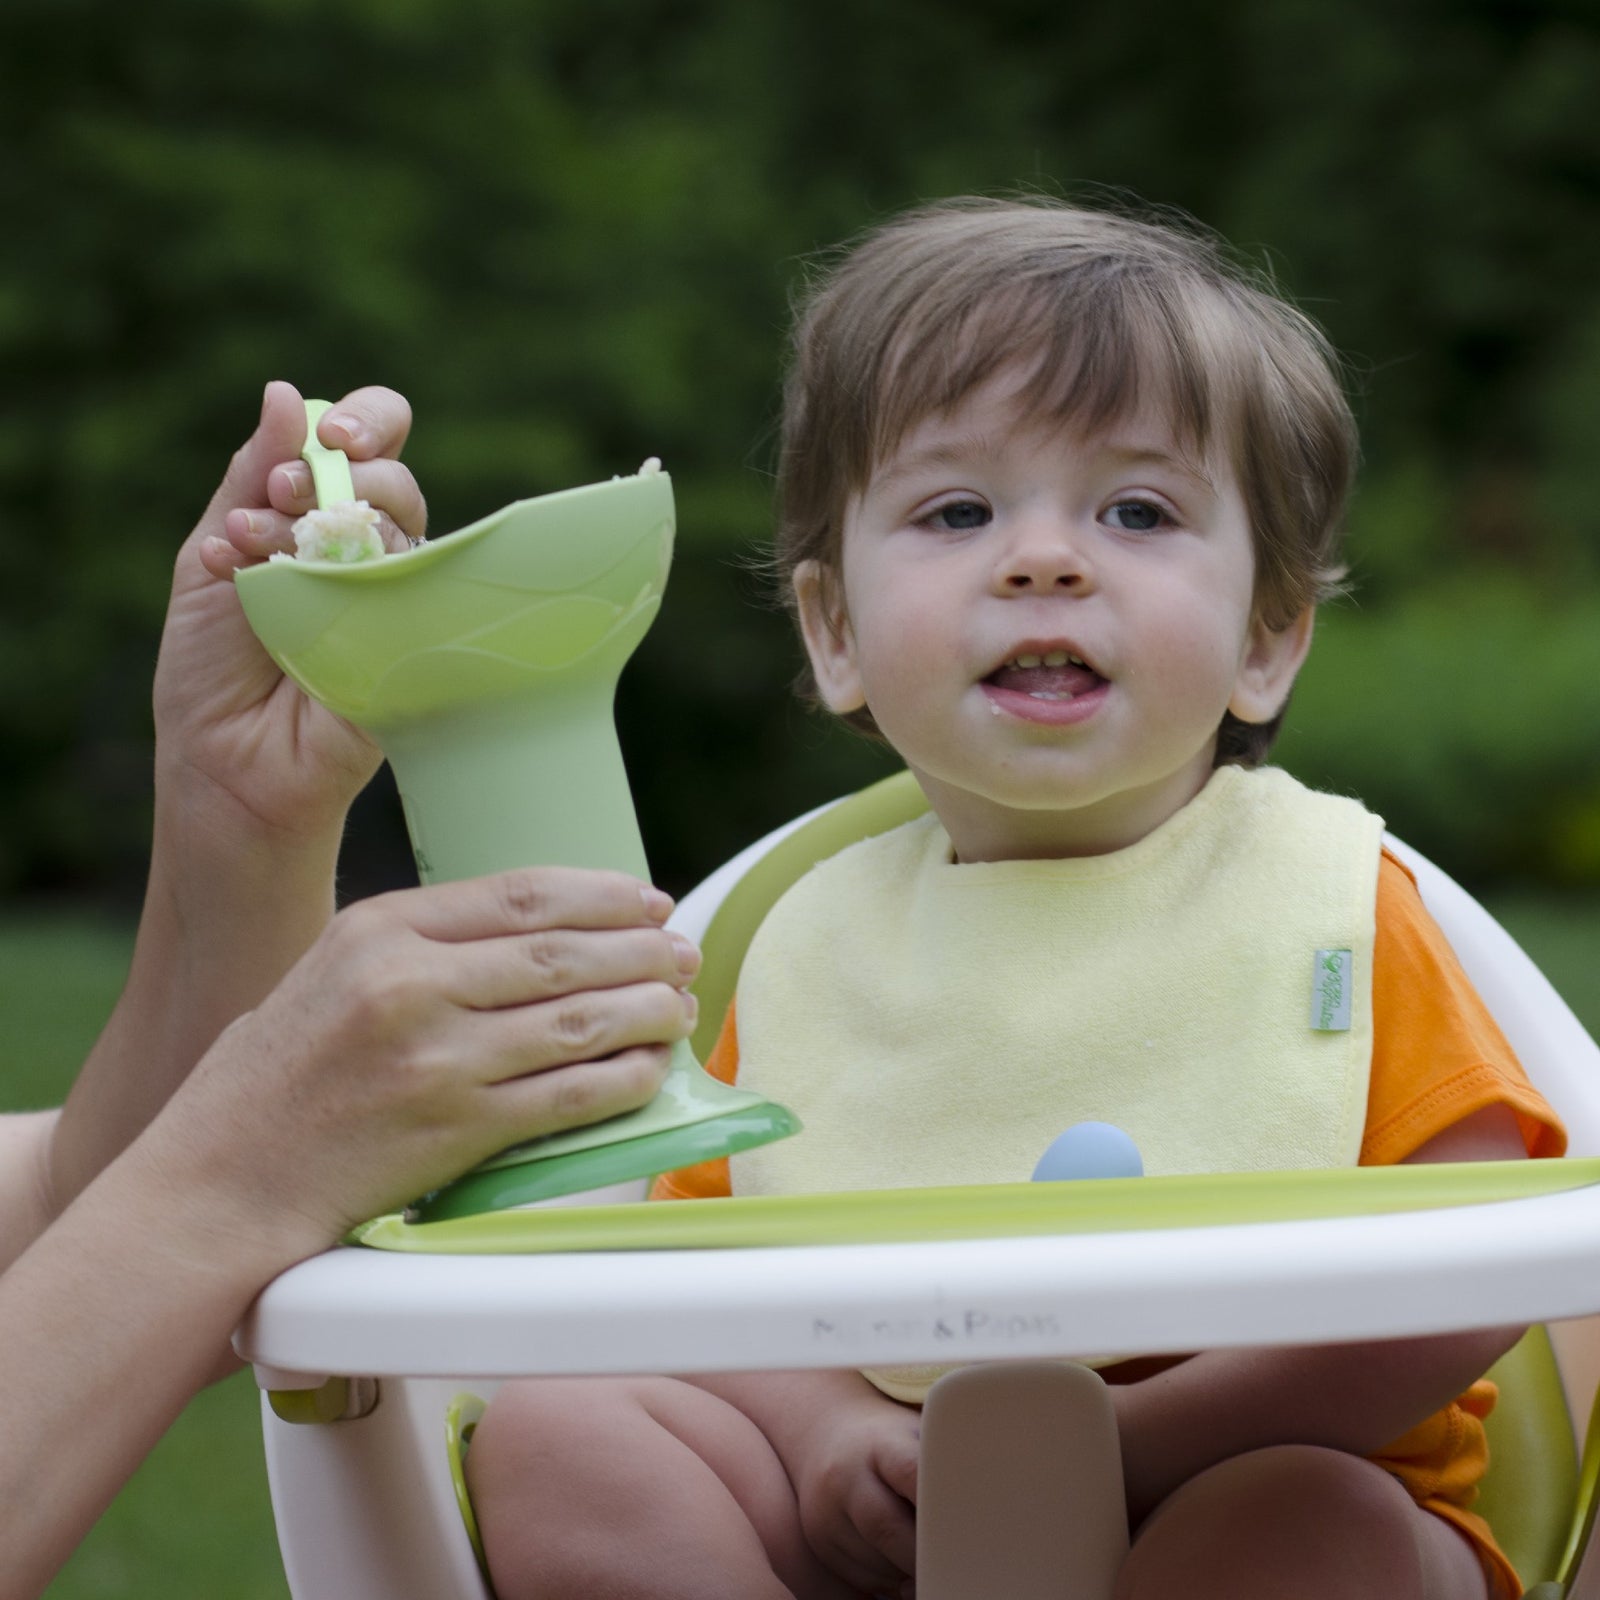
{"x":568,"y":231}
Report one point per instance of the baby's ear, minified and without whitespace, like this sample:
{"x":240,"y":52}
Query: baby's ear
{"x":1273,"y":657}
{"x":830,"y":643}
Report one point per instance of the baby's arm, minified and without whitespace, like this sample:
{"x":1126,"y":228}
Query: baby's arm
{"x":851,"y":1454}
{"x":252,"y":786}
{"x":1357,"y":1398}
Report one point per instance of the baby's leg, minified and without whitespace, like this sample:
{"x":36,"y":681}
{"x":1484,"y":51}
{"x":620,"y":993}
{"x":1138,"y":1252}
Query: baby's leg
{"x":1298,"y":1520}
{"x":616,"y":1488}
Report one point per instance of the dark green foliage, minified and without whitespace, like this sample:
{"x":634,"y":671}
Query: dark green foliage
{"x":568,"y":231}
{"x":1467,"y":716}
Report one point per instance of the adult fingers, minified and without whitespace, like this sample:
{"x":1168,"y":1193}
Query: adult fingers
{"x":279,"y":434}
{"x":519,"y":969}
{"x":258,"y":533}
{"x":220,"y":558}
{"x":521,"y":1040}
{"x":524,"y":900}
{"x":261,"y":532}
{"x":384,"y":484}
{"x":573,"y":1096}
{"x":366,"y":423}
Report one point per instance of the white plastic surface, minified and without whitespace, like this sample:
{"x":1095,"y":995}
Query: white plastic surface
{"x":693,"y":913}
{"x":870,"y":1305}
{"x":366,"y":1510}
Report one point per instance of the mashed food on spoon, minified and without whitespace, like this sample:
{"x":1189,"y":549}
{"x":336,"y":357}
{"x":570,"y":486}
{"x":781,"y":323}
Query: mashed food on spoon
{"x":345,"y":532}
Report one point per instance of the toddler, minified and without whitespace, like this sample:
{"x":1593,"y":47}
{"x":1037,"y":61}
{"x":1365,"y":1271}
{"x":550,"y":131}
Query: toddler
{"x":1060,"y":492}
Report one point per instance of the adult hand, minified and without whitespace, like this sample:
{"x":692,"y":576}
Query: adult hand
{"x":424,"y":1031}
{"x":421,"y":1032}
{"x":243,"y":747}
{"x":253,"y":781}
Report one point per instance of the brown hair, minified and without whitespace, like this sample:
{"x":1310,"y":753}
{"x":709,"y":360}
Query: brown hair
{"x":1103,"y":313}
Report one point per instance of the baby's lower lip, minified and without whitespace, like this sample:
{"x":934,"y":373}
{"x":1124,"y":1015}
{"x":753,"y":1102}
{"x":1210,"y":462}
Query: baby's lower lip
{"x":1046,"y":711}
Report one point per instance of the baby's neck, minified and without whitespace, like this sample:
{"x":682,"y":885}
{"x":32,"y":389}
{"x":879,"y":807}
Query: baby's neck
{"x":985,"y":829}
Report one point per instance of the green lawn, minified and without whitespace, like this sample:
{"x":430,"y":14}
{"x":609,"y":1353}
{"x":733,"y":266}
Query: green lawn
{"x":195,"y":1523}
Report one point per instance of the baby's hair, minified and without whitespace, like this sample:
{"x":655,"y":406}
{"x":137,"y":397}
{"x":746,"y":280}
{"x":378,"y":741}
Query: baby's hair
{"x":1102,"y":314}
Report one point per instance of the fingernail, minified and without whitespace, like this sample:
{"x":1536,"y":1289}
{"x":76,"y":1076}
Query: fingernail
{"x":691,"y":1008}
{"x":344,"y":425}
{"x":685,"y":954}
{"x":657,"y":903}
{"x":300,"y":485}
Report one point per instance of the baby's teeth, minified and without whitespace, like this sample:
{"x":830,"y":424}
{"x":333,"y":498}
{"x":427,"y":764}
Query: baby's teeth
{"x":1056,"y":658}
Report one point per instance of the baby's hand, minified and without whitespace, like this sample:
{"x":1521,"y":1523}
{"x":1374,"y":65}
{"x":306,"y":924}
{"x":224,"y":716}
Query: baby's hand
{"x":856,"y":1482}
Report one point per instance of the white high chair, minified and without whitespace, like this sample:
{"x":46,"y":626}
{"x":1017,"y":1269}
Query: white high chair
{"x":367,"y":1507}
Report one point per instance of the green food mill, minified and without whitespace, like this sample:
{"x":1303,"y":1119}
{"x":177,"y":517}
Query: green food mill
{"x":485,"y":665}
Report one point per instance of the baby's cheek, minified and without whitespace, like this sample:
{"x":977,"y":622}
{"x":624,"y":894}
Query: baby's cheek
{"x":1208,"y":656}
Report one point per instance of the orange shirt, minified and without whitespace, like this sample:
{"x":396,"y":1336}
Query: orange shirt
{"x":1437,"y":1057}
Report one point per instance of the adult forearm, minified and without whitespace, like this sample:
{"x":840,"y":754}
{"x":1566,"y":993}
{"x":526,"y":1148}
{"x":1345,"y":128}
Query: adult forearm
{"x":1225,"y":1403}
{"x":25,"y":1203}
{"x":109,"y":1323}
{"x":213,"y":940}
{"x":232,"y":903}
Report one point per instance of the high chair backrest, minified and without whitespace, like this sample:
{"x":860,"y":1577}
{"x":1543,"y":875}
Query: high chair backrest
{"x":723,"y":913}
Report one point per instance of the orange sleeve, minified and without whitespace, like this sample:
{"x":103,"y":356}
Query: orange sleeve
{"x":1437,"y":1054}
{"x":708,"y":1180}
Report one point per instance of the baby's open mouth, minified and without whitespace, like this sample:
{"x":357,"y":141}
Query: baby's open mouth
{"x":1060,"y":675}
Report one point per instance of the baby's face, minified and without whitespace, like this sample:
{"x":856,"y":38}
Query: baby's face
{"x":1048,"y":627}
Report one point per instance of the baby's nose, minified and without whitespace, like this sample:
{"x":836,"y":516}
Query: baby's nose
{"x":1047,"y":555}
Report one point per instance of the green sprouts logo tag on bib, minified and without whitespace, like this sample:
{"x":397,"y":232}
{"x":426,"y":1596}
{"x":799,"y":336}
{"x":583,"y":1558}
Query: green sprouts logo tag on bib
{"x":1330,"y":992}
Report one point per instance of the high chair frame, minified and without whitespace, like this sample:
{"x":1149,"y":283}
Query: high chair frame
{"x":367,"y":1508}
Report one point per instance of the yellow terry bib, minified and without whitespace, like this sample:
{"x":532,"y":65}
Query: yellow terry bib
{"x":1208,"y":990}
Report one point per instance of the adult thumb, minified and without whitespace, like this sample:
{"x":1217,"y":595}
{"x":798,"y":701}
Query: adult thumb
{"x":279,"y":436}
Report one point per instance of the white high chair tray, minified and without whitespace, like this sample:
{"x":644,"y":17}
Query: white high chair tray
{"x":1536,"y":1259}
{"x":373,"y":1313}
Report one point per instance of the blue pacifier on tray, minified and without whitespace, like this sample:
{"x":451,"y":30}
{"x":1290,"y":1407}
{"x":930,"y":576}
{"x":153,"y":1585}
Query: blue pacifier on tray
{"x":1090,"y":1150}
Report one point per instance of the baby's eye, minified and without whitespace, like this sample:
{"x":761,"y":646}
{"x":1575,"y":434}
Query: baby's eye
{"x":1136,"y":516}
{"x":958,"y":515}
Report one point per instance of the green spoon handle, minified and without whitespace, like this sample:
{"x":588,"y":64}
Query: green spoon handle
{"x":330,"y":469}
